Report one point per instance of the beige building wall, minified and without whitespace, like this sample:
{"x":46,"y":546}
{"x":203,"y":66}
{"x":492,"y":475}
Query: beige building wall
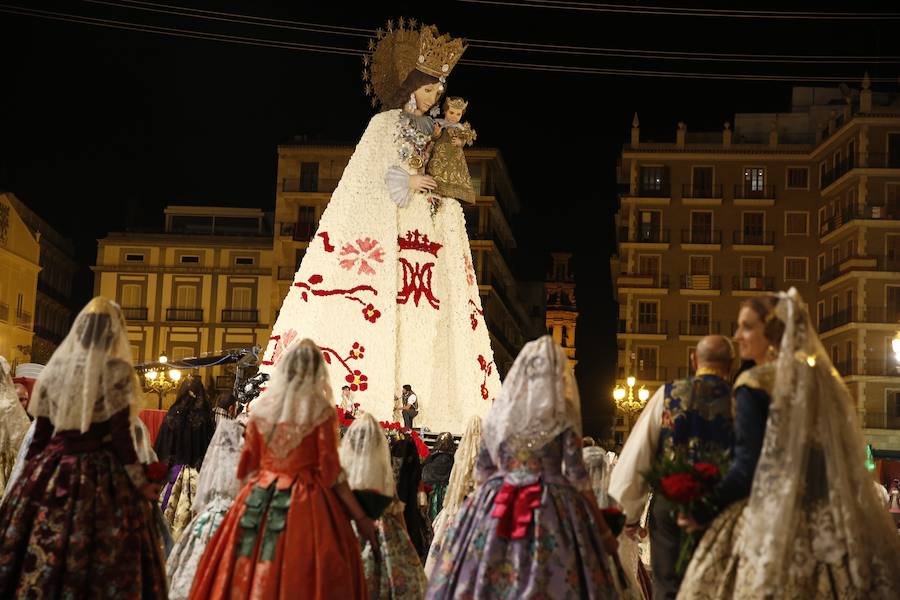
{"x":19,"y":268}
{"x":809,"y":199}
{"x":185,"y":294}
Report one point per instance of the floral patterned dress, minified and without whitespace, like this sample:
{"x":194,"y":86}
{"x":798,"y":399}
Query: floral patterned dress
{"x":527,"y":532}
{"x":399,"y":574}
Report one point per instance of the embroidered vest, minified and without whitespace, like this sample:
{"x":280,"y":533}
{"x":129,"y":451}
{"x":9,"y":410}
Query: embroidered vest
{"x":697,"y":418}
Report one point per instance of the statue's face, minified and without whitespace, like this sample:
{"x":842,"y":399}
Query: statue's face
{"x":426,"y":96}
{"x":453,"y":115}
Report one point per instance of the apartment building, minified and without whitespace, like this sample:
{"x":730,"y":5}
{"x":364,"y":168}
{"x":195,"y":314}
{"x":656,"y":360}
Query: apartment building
{"x":19,"y":267}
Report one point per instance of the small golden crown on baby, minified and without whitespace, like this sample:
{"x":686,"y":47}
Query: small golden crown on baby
{"x":438,"y":54}
{"x":457,"y":103}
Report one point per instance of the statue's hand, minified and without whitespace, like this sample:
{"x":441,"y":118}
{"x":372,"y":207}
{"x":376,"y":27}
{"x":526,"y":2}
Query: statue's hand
{"x":420,"y":184}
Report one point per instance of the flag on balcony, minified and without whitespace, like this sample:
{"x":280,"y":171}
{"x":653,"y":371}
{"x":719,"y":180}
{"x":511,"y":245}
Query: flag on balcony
{"x":699,"y":282}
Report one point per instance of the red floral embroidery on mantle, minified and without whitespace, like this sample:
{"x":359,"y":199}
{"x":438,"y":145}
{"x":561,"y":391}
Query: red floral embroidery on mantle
{"x":417,"y":283}
{"x":419,"y":242}
{"x":306,"y":288}
{"x":355,"y":378}
{"x":472,"y":315}
{"x":366,"y":251}
{"x":486,"y":368}
{"x":326,"y":242}
{"x":282,"y":343}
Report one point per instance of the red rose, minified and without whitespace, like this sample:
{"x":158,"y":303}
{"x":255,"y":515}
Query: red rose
{"x":680,"y":488}
{"x":156,"y":471}
{"x":707,"y":470}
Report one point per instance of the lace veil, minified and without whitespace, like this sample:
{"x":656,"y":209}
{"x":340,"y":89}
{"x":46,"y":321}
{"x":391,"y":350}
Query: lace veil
{"x":812,"y":467}
{"x":13,"y":419}
{"x":218,"y":476}
{"x":366,"y":458}
{"x":90,"y":376}
{"x":538,"y":401}
{"x":462,"y":477}
{"x":296,"y":400}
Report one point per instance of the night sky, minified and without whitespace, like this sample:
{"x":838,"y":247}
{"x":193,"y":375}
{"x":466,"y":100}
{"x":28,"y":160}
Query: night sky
{"x":102,"y":128}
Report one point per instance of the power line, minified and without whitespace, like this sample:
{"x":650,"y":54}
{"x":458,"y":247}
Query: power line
{"x":337,"y":50}
{"x":690,"y":12}
{"x":500,"y":44}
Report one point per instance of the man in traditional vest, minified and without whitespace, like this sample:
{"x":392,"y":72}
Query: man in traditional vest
{"x":682,"y":418}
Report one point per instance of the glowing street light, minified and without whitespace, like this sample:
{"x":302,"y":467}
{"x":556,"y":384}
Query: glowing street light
{"x":162,"y":380}
{"x":624,"y":396}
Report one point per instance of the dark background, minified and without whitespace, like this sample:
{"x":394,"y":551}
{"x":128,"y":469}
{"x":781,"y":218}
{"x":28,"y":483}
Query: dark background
{"x":101,"y":128}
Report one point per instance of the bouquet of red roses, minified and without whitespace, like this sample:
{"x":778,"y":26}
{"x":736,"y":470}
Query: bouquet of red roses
{"x":687,"y":484}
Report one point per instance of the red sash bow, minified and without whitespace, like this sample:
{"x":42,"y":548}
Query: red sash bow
{"x":513,"y":506}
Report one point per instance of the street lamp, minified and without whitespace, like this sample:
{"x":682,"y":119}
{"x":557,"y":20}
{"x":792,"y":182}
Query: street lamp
{"x":161,"y":380}
{"x":624,"y":396}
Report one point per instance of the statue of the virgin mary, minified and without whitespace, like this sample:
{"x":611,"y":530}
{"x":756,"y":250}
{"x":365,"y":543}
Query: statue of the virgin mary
{"x":387,"y":288}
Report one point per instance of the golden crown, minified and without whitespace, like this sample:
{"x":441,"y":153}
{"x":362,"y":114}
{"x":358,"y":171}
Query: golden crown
{"x":404,"y":46}
{"x":456,"y":102}
{"x":438,"y":54}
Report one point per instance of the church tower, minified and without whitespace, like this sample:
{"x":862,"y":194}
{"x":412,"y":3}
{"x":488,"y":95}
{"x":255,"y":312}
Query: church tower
{"x":562,"y":311}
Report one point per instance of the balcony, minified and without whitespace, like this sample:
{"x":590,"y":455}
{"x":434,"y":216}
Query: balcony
{"x":644,"y":373}
{"x":874,"y":367}
{"x":644,"y":236}
{"x":302,"y":231}
{"x":856,"y":213}
{"x":644,"y":327}
{"x":23,"y":320}
{"x":695,"y":328}
{"x":134,"y":313}
{"x":752,"y":284}
{"x":857,"y":262}
{"x":184,"y":314}
{"x":859,"y":161}
{"x":757,"y":239}
{"x":880,"y":420}
{"x":701,"y":237}
{"x":643,"y":281}
{"x":309,"y":184}
{"x":233,"y":315}
{"x":654,"y":191}
{"x":701,"y":282}
{"x":873,"y":315}
{"x":747,"y":195}
{"x":701,"y":192}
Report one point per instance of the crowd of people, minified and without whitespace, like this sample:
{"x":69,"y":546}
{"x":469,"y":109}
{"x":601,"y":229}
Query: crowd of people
{"x":281,"y":500}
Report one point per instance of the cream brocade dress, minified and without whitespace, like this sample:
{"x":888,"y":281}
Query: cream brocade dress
{"x":818,"y":568}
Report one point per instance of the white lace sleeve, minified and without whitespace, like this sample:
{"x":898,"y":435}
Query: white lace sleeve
{"x":397,"y":181}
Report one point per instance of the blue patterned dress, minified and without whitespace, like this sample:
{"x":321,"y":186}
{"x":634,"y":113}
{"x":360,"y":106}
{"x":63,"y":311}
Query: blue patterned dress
{"x":556,"y":553}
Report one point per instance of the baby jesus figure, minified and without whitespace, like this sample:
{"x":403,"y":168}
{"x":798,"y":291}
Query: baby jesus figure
{"x":447,"y":164}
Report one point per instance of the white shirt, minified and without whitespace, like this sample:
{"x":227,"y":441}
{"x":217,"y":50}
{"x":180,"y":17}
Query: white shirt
{"x":626,"y":484}
{"x":347,"y":401}
{"x":412,"y":400}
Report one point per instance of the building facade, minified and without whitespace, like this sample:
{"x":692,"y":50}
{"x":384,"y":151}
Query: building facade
{"x":54,"y":310}
{"x":202,"y":285}
{"x":808,"y":198}
{"x":307,"y":175}
{"x":562,"y":310}
{"x":20,"y":254}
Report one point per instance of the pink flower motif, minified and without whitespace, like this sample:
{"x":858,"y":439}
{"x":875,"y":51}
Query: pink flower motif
{"x":282,"y":344}
{"x":470,"y":272}
{"x":366,"y":251}
{"x":371,"y":313}
{"x":357,"y":381}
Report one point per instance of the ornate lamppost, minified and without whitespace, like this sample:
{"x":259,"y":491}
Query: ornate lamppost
{"x":626,"y":401}
{"x":162,"y":380}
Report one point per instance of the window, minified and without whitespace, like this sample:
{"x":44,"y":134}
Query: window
{"x":648,"y":317}
{"x":822,"y":266}
{"x":823,"y":220}
{"x":241,"y":298}
{"x":646,"y":362}
{"x":134,"y":258}
{"x":836,"y":255}
{"x":190,"y":258}
{"x":309,"y":177}
{"x":698,"y":318}
{"x":796,"y":223}
{"x":837,"y":160}
{"x":851,"y":154}
{"x":243,"y":260}
{"x":701,"y":265}
{"x":131,"y":296}
{"x":653,"y":180}
{"x":648,"y":264}
{"x":822,"y":173}
{"x":798,"y":178}
{"x":186,"y":296}
{"x":651,"y":226}
{"x":702,"y":182}
{"x":20,"y":304}
{"x":752,"y":271}
{"x":820,"y":313}
{"x":835,"y":355}
{"x":181,"y":352}
{"x":701,"y":227}
{"x":306,"y":223}
{"x":298,"y":257}
{"x":795,"y":269}
{"x":835,"y":305}
{"x":849,"y":300}
{"x":851,"y":248}
{"x":754,"y":179}
{"x":753,"y":225}
{"x":892,"y":301}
